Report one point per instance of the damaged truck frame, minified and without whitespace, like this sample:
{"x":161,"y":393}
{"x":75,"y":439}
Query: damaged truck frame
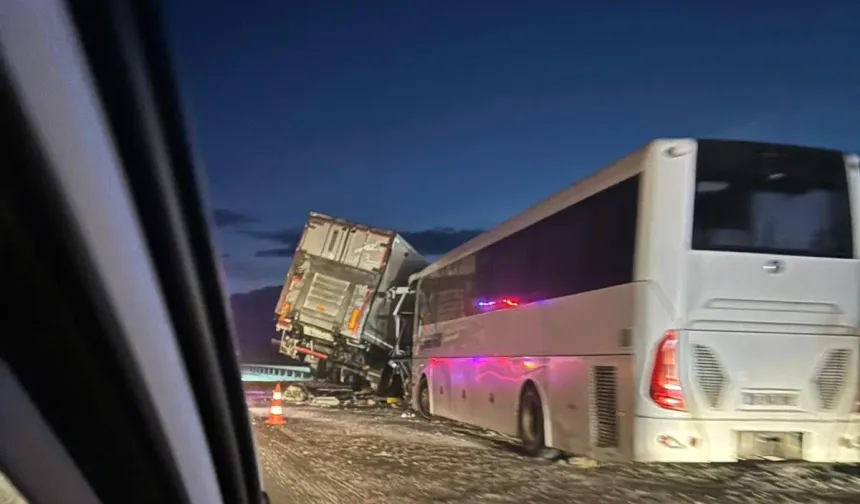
{"x":342,"y":310}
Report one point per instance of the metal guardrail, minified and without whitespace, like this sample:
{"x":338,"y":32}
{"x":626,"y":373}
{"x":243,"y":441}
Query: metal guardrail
{"x":265,"y":372}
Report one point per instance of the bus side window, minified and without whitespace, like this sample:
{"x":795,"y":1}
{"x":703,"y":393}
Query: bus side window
{"x":483,"y":288}
{"x":426,"y":302}
{"x":431,"y":308}
{"x":422,"y":308}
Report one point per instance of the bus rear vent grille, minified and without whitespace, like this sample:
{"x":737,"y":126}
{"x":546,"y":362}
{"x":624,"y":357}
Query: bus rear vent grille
{"x":604,"y":407}
{"x":709,"y":374}
{"x":830,"y":378}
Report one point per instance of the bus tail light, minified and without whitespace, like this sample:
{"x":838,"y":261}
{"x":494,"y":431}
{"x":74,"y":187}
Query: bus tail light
{"x":665,"y":381}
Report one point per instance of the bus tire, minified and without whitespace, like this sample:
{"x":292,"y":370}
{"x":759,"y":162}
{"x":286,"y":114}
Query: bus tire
{"x":530,"y":422}
{"x":423,"y":399}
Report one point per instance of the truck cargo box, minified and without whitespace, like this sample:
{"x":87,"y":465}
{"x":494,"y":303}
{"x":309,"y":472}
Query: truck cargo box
{"x":333,"y":300}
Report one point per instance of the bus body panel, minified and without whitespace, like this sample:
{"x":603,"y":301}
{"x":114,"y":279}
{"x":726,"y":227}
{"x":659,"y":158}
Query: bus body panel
{"x":484,"y":389}
{"x":824,"y":442}
{"x":659,"y":257}
{"x":476,"y":364}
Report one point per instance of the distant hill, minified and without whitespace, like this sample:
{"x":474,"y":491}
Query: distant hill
{"x":253,"y":316}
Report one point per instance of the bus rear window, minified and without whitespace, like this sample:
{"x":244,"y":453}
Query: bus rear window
{"x":771,"y":199}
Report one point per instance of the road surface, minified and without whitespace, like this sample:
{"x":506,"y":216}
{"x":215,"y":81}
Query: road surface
{"x":375,"y":455}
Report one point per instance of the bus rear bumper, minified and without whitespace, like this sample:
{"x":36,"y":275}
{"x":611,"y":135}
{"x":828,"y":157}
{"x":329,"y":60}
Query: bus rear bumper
{"x":700,"y":441}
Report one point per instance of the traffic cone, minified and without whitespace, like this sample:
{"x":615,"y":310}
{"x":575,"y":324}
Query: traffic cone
{"x":276,"y":413}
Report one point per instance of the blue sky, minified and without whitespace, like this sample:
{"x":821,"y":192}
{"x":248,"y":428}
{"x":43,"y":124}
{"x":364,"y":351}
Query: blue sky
{"x":415,"y":115}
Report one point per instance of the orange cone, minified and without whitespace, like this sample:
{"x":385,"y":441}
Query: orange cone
{"x":276,"y":413}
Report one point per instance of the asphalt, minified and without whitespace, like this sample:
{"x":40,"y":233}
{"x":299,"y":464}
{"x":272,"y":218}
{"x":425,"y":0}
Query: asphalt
{"x":384,"y":454}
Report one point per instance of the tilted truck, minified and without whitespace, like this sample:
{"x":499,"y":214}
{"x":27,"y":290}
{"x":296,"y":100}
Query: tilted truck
{"x":338,"y":311}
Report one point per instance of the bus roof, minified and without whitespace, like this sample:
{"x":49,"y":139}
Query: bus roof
{"x":601,"y":179}
{"x":581,"y":189}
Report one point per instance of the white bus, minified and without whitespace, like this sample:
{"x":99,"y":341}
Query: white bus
{"x":696,"y":301}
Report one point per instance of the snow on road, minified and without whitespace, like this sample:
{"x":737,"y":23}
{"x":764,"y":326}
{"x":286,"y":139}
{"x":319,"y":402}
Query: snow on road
{"x":373,"y":455}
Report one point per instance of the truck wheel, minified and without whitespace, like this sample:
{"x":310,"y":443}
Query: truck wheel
{"x":383,"y":388}
{"x":530,"y":421}
{"x":321,"y":372}
{"x":396,"y":389}
{"x":424,"y":399}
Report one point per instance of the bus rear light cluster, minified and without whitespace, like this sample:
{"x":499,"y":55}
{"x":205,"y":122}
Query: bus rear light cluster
{"x":665,"y":381}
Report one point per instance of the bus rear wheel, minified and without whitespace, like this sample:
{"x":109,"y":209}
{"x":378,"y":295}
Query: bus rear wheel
{"x":423,"y":398}
{"x":530,"y":422}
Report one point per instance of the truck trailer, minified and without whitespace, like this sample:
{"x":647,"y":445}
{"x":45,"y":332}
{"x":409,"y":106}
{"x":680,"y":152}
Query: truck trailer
{"x":338,"y":309}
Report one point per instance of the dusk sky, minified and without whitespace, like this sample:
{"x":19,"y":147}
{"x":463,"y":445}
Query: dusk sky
{"x":414,"y":115}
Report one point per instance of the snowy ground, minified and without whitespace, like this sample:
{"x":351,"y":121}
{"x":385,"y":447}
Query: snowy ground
{"x":375,"y":455}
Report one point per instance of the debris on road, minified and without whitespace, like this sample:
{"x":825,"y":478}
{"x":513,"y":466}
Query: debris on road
{"x":295,"y":393}
{"x":318,"y":393}
{"x":581,"y":462}
{"x":325,"y":401}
